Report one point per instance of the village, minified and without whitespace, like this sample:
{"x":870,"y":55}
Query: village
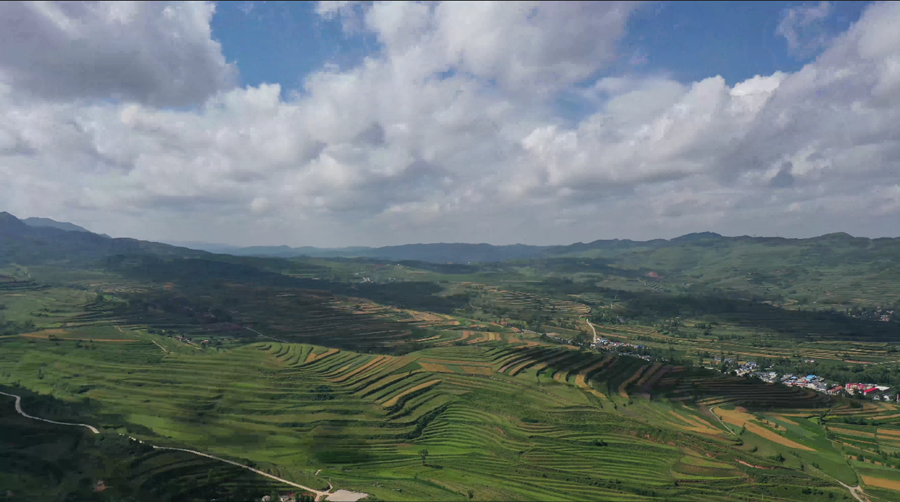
{"x":872,"y":391}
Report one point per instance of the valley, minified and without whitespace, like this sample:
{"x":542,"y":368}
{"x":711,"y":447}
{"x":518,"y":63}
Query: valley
{"x":499,"y":381}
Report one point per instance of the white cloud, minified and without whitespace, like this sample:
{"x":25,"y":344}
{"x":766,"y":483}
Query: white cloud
{"x":802,"y":29}
{"x":399,"y":149}
{"x":153,"y":52}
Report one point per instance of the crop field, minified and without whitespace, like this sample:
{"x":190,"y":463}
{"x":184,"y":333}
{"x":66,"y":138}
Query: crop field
{"x":295,"y":409}
{"x":317,"y":390}
{"x":524,"y":305}
{"x":112,"y":464}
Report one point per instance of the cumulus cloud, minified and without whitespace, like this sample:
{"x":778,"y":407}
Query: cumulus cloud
{"x":448,"y":134}
{"x":802,"y":28}
{"x":158,"y":53}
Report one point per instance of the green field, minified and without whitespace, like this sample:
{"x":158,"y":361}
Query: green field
{"x":501,"y":420}
{"x":300,"y":369}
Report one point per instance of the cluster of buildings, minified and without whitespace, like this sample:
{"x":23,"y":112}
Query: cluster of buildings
{"x":818,"y":384}
{"x":809,"y":381}
{"x":871,"y":390}
{"x":604,"y":344}
{"x":184,"y":339}
{"x":814,"y":382}
{"x":877,"y":314}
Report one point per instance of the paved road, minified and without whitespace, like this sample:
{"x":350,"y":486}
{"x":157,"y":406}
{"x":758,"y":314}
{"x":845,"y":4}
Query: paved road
{"x":19,"y":410}
{"x":320,"y":494}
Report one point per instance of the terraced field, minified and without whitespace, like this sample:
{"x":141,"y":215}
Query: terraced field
{"x":113,"y":465}
{"x":502,"y":417}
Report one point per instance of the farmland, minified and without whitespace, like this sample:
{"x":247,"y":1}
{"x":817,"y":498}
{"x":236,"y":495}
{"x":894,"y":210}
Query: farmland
{"x":504,"y":418}
{"x":471,"y":383}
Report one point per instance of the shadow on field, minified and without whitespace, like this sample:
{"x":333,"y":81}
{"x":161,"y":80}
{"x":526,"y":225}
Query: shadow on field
{"x":43,"y":461}
{"x":205,"y":274}
{"x":330,"y":446}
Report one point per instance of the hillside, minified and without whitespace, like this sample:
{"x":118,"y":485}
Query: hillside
{"x":47,"y":222}
{"x":416,"y":380}
{"x":25,"y":244}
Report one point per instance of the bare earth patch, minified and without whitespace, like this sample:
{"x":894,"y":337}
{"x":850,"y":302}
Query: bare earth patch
{"x":346,"y":496}
{"x":890,"y":484}
{"x":740,"y":418}
{"x":437,"y":368}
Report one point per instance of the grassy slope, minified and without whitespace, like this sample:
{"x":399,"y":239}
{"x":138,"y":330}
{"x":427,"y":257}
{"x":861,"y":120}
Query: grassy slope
{"x":502,"y":437}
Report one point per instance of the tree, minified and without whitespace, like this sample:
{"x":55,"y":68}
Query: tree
{"x":424,"y":454}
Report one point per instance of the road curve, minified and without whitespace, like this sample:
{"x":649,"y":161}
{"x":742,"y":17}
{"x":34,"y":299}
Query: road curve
{"x":320,"y":494}
{"x":856,"y":491}
{"x":19,"y":410}
{"x":265,"y":336}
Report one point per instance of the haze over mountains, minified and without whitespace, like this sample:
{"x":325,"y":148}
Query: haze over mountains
{"x":55,"y":237}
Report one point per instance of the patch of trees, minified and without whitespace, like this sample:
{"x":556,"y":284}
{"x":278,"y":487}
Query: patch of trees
{"x":323,"y":393}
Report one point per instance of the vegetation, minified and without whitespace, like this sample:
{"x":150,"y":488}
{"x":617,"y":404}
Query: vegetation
{"x":412,"y":381}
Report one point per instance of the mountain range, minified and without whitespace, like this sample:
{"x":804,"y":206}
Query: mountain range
{"x":41,"y":238}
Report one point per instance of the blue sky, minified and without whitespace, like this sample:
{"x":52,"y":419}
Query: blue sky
{"x":497,"y":122}
{"x":281,"y":43}
{"x":694,"y":40}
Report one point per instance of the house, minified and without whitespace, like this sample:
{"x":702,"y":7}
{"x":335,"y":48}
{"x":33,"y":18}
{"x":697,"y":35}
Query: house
{"x":869,"y":392}
{"x":857,"y":387}
{"x":835,"y":390}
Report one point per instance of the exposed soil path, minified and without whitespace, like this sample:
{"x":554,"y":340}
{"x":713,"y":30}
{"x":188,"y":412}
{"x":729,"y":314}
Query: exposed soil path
{"x":856,"y":491}
{"x":713,"y":411}
{"x":592,"y":329}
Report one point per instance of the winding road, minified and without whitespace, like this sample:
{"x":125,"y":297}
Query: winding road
{"x":19,"y":410}
{"x":320,"y":494}
{"x":265,"y":336}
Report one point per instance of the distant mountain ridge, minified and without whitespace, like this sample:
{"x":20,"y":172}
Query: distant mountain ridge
{"x":31,"y":239}
{"x":462,"y":253}
{"x":62,"y":225}
{"x":31,"y":244}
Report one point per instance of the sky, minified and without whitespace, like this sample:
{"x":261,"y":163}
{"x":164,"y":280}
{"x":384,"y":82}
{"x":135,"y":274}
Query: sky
{"x":349,"y":123}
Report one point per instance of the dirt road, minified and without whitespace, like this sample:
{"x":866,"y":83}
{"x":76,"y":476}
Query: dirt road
{"x":592,"y":329}
{"x":856,"y":491}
